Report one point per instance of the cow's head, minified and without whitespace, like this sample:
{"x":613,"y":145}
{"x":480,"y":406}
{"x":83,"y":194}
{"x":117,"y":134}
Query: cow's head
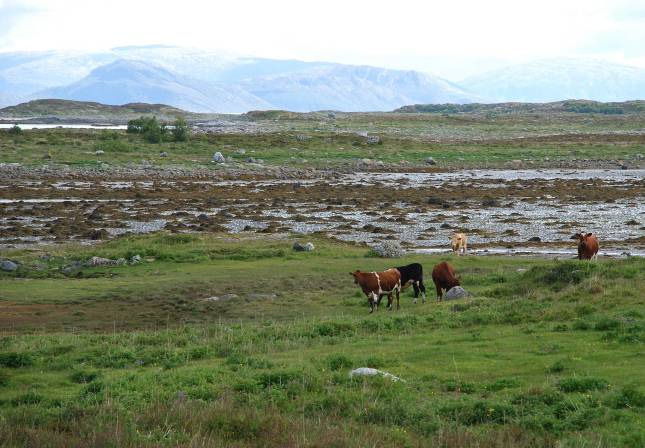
{"x":355,"y":275}
{"x":582,"y":238}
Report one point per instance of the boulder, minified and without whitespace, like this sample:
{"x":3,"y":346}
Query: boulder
{"x":100,"y":261}
{"x":240,"y":151}
{"x":373,"y":140}
{"x":368,"y":371}
{"x":218,"y":157}
{"x":307,"y":247}
{"x":99,"y":152}
{"x":430,"y":161}
{"x":456,"y":292}
{"x":136,"y":259}
{"x":251,"y":160}
{"x":389,"y":249}
{"x":8,"y":265}
{"x":163,"y":154}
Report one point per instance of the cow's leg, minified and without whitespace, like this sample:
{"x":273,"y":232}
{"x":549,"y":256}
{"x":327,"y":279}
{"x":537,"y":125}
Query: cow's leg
{"x":389,"y":301}
{"x":465,"y":248}
{"x":415,"y":285}
{"x":423,"y":290}
{"x":397,"y":299}
{"x":439,"y":293}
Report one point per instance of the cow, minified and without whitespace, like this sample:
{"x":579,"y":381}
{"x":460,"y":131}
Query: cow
{"x":413,"y":273}
{"x":375,"y":284}
{"x":587,"y":246}
{"x":444,"y":277}
{"x":459,"y":242}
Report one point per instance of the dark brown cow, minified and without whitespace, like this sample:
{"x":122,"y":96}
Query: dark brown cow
{"x":587,"y":246}
{"x":375,"y":284}
{"x":444,"y":277}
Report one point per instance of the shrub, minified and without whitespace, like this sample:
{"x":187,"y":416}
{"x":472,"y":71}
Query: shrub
{"x":556,"y":367}
{"x":4,"y":378}
{"x":472,"y":413}
{"x":30,"y":397}
{"x":503,"y":383}
{"x":14,"y":130}
{"x":180,"y":130}
{"x":84,"y":377}
{"x":582,"y":384}
{"x":339,"y":361}
{"x":627,"y":397}
{"x":15,"y":359}
{"x":149,"y":127}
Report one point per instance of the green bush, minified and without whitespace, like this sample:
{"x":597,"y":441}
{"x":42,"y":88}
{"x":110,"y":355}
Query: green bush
{"x":14,"y":130}
{"x":339,"y":361}
{"x":16,"y":359}
{"x":180,"y":130}
{"x":84,"y":376}
{"x":582,"y":384}
{"x":627,"y":397}
{"x":149,"y":127}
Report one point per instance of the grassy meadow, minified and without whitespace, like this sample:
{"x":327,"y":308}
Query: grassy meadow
{"x":547,"y":353}
{"x":312,"y":141}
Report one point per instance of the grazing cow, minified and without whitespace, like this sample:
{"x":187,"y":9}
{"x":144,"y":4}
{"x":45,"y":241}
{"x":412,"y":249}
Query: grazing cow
{"x":413,"y":273}
{"x":587,"y":246}
{"x":458,"y":242}
{"x":375,"y":284}
{"x":444,"y":277}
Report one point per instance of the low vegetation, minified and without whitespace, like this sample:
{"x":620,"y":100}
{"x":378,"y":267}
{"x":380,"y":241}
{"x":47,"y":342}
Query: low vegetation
{"x":217,"y":340}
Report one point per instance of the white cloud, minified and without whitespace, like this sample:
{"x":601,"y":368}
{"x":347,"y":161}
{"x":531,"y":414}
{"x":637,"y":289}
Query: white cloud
{"x":450,"y":38}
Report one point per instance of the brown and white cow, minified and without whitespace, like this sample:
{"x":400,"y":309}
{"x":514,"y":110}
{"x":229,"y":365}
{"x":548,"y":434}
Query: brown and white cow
{"x":459,"y":242}
{"x":444,"y":277}
{"x":587,"y":246}
{"x":375,"y":284}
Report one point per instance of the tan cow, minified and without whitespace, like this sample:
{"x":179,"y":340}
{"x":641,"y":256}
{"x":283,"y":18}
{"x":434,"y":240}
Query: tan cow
{"x":459,"y":243}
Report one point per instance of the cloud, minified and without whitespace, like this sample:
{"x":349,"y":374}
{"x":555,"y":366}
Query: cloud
{"x":403,"y":34}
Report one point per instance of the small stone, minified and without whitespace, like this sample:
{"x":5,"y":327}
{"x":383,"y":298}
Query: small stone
{"x":368,"y":371}
{"x":240,"y":151}
{"x":535,"y":239}
{"x":373,"y":140}
{"x":99,"y":152}
{"x":163,"y":154}
{"x":251,"y":160}
{"x":136,"y":259}
{"x":218,"y":157}
{"x":430,"y":161}
{"x":100,"y":261}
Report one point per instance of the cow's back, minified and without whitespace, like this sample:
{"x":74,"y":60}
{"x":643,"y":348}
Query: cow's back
{"x":443,"y":274}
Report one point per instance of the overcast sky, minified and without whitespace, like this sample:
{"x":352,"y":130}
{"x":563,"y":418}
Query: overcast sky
{"x":450,"y":38}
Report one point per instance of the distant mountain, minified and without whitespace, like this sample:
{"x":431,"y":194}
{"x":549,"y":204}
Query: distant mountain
{"x":207,"y":81}
{"x":203,"y":81}
{"x":558,"y":79}
{"x":350,"y":88}
{"x":126,"y":81}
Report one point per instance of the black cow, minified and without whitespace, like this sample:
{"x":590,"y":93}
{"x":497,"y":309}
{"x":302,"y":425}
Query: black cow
{"x":413,"y":273}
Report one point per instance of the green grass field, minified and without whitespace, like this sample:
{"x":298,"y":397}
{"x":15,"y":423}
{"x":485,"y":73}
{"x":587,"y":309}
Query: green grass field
{"x":546,"y":354}
{"x":453,"y":140}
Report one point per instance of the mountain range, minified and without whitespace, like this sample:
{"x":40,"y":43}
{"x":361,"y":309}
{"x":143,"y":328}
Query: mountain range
{"x":203,"y":81}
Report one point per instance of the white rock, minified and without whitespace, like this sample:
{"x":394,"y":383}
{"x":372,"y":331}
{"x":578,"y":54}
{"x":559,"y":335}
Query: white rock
{"x":218,"y":157}
{"x":368,"y":371}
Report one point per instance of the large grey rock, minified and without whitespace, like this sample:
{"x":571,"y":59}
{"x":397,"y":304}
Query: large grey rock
{"x":307,"y":247}
{"x":100,"y":261}
{"x":368,"y":371}
{"x":389,"y":249}
{"x":8,"y":265}
{"x":218,"y":157}
{"x":456,"y":292}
